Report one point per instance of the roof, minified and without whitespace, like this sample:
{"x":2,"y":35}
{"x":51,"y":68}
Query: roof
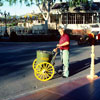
{"x":65,"y":6}
{"x":60,"y":5}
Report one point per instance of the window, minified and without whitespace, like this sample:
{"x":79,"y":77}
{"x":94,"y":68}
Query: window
{"x":77,"y":18}
{"x":54,"y":18}
{"x":88,"y":18}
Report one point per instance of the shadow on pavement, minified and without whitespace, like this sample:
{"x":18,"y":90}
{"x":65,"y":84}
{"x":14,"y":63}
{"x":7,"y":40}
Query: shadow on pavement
{"x":77,"y":67}
{"x":89,"y":91}
{"x":15,"y":60}
{"x":81,"y":65}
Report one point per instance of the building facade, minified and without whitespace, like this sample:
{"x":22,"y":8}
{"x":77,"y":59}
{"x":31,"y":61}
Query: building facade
{"x":75,"y":18}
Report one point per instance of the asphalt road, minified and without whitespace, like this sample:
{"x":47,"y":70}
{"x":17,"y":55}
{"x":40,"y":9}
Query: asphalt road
{"x":16,"y":73}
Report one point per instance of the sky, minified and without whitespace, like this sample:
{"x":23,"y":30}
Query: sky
{"x":19,"y":9}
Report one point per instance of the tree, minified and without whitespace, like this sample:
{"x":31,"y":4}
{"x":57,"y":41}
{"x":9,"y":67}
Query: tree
{"x":78,"y":2}
{"x":45,"y":6}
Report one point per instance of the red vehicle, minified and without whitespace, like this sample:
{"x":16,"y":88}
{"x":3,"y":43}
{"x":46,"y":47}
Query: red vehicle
{"x":96,"y":35}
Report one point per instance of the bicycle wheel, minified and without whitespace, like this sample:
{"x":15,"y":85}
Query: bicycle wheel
{"x":44,"y":71}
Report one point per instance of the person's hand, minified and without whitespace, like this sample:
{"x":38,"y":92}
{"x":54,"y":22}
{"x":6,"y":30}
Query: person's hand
{"x":58,"y":45}
{"x":55,"y":50}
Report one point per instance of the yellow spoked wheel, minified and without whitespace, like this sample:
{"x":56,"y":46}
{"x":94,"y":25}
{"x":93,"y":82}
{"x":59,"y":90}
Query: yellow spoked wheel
{"x":34,"y":64}
{"x":44,"y":71}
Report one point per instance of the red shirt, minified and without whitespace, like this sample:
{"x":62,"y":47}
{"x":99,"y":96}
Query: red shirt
{"x":64,"y":38}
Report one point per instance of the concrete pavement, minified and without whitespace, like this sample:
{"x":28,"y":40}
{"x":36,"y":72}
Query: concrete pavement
{"x":16,"y":73}
{"x":78,"y":89}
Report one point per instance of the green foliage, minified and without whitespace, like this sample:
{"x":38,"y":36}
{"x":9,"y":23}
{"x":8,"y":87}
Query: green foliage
{"x":12,"y":24}
{"x":30,"y":2}
{"x":78,"y":2}
{"x":1,"y":3}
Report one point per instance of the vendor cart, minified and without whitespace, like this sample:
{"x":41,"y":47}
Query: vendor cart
{"x":43,"y":65}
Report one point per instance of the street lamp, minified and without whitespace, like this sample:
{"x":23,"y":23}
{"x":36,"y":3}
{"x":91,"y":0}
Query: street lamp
{"x":5,"y":14}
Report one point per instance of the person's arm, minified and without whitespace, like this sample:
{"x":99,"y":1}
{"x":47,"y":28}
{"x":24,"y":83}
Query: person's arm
{"x":63,"y":44}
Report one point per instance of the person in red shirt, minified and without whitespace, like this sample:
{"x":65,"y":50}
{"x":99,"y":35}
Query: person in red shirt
{"x":64,"y":50}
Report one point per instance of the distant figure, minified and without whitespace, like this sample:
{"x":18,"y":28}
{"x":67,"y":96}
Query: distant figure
{"x":13,"y":36}
{"x":64,"y":50}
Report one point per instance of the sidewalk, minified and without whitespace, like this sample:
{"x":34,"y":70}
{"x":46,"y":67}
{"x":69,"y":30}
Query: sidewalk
{"x":79,"y":89}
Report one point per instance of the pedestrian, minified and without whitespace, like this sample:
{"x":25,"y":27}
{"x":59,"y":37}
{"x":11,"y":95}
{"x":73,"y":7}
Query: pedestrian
{"x":64,"y":50}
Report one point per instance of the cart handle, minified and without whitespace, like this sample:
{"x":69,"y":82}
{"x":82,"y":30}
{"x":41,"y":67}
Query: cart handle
{"x":54,"y":57}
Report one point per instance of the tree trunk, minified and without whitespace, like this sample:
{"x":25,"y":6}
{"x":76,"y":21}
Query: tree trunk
{"x":46,"y":26}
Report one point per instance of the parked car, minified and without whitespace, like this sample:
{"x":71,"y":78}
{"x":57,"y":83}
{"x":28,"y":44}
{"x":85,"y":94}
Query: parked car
{"x":90,"y":38}
{"x":87,"y":39}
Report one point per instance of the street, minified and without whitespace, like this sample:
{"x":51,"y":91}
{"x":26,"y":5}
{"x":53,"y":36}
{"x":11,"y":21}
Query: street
{"x":16,"y":73}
